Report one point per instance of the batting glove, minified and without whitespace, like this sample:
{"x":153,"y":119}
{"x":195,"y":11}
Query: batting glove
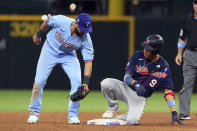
{"x":176,"y":118}
{"x":140,"y":90}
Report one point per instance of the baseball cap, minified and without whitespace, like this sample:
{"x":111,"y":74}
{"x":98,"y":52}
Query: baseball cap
{"x":84,"y":22}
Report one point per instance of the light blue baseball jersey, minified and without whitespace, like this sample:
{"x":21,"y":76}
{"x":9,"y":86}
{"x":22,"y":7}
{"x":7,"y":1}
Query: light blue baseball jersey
{"x":60,"y":48}
{"x":66,"y":43}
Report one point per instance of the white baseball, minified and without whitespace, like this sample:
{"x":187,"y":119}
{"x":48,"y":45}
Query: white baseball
{"x":72,"y":7}
{"x":44,"y":17}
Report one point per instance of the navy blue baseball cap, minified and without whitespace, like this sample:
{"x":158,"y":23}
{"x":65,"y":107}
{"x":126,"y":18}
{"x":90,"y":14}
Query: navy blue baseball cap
{"x":84,"y":22}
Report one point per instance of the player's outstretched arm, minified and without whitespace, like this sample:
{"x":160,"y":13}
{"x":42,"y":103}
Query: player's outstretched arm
{"x":140,"y":90}
{"x":40,"y":33}
{"x":169,"y":97}
{"x":83,"y":90}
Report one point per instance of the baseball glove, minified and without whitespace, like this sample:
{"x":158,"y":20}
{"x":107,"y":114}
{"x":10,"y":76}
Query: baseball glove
{"x":80,"y":94}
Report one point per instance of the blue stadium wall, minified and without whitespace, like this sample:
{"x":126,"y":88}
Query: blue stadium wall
{"x":114,"y":40}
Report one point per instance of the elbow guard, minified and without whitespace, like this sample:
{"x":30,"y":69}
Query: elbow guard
{"x":128,"y":79}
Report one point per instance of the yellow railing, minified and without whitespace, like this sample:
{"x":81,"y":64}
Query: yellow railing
{"x":37,"y":18}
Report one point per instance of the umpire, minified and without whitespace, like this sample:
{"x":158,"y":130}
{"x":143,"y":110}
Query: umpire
{"x":188,"y":41}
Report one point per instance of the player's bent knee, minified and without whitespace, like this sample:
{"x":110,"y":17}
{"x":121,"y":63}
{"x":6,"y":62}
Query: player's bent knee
{"x":106,"y":83}
{"x":36,"y":90}
{"x":40,"y":81}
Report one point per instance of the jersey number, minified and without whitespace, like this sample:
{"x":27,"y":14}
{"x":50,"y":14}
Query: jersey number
{"x":153,"y":82}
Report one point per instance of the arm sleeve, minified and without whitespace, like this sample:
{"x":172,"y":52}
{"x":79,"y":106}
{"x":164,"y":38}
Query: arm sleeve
{"x":128,"y":78}
{"x":167,"y":83}
{"x":53,"y":21}
{"x":87,"y":49}
{"x":131,"y":65}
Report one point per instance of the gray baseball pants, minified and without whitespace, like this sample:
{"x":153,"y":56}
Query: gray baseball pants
{"x":114,"y":90}
{"x":189,"y":75}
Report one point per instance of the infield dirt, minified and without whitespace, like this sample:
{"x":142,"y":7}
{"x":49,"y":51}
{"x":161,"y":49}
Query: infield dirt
{"x":57,"y":121}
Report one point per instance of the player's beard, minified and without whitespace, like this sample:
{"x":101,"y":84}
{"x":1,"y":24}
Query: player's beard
{"x":78,"y":33}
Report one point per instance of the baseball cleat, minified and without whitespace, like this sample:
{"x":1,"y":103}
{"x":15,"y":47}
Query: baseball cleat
{"x":74,"y":120}
{"x":109,"y":114}
{"x":32,"y":119}
{"x":184,"y":117}
{"x":121,"y":117}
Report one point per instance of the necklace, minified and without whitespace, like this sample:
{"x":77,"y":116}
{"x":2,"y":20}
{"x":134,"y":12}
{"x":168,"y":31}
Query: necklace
{"x":151,"y":61}
{"x":148,"y":63}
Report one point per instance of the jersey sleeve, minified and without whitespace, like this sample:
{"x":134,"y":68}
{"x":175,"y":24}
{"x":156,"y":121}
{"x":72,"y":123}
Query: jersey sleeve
{"x":183,"y":32}
{"x":87,"y":48}
{"x":52,"y":22}
{"x":131,"y":64}
{"x":167,"y":83}
{"x":56,"y":21}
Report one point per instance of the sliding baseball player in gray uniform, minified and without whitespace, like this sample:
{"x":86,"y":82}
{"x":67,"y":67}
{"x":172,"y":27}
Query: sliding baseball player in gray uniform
{"x":145,"y":72}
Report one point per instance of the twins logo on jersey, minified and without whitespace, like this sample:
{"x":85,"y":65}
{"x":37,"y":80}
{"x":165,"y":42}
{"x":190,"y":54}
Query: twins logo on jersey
{"x":159,"y":74}
{"x":60,"y":38}
{"x":144,"y":70}
{"x":141,"y":69}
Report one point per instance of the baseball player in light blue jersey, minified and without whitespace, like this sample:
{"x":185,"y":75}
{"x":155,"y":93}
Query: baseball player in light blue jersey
{"x":66,"y":35}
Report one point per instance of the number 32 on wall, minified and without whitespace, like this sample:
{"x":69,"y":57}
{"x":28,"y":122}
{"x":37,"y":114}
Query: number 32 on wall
{"x":23,"y":29}
{"x":153,"y":82}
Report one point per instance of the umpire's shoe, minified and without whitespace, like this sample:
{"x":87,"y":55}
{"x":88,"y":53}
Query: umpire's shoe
{"x":184,"y":117}
{"x":32,"y":119}
{"x":73,"y":120}
{"x":109,"y":114}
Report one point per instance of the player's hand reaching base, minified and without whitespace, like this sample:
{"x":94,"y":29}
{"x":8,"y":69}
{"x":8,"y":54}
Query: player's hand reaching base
{"x":176,"y":118}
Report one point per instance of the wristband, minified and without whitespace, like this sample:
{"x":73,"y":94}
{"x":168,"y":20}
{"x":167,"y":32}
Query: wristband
{"x":135,"y":83}
{"x":86,"y":79}
{"x":171,"y":103}
{"x":40,"y":33}
{"x":181,"y":44}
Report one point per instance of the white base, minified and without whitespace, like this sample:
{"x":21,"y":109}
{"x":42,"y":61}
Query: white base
{"x":106,"y":122}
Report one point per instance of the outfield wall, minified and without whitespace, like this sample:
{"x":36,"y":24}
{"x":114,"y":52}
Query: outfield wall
{"x":113,"y":40}
{"x":19,"y":55}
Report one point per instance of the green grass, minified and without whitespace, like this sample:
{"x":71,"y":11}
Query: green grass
{"x":57,"y":101}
